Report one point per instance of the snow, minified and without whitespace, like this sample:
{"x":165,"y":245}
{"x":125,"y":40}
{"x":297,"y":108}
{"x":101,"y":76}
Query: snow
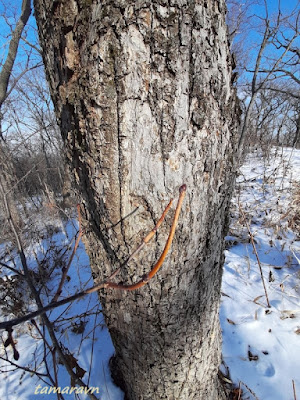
{"x":92,"y":348}
{"x":260,"y":344}
{"x":247,"y":323}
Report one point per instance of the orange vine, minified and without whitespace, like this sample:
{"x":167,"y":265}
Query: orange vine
{"x":146,"y":278}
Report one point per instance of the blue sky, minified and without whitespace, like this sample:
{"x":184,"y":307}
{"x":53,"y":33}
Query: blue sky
{"x":252,"y":37}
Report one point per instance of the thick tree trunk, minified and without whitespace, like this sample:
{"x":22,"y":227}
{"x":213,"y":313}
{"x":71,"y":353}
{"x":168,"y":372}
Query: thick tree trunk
{"x":143,"y":95}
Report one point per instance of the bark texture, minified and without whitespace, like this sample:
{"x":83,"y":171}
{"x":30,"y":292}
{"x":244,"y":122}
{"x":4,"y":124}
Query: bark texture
{"x":143,"y":95}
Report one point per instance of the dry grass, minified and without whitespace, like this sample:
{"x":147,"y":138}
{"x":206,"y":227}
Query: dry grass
{"x":293,"y":214}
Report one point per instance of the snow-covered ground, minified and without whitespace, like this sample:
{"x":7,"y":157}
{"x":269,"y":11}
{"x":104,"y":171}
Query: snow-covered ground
{"x":260,"y":344}
{"x":79,"y":326}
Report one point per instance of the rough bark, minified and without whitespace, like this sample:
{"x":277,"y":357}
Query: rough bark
{"x":143,"y":95}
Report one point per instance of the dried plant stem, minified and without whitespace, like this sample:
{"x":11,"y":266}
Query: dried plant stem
{"x":66,"y":269}
{"x":249,"y":390}
{"x":240,"y":391}
{"x":294,"y":389}
{"x":256,"y":255}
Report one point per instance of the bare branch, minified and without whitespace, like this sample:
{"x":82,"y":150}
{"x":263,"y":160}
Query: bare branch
{"x":5,"y":73}
{"x":37,"y":49}
{"x":16,"y":80}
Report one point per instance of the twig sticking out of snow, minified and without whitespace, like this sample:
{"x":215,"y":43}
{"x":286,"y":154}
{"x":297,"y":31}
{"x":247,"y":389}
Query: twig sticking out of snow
{"x":258,"y":260}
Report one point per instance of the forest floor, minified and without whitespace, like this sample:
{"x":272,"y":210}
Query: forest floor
{"x":261,"y":327}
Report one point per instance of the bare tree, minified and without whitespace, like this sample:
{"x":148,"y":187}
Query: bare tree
{"x":30,"y":148}
{"x":272,"y":64}
{"x":7,"y":67}
{"x":143,"y":95}
{"x":8,"y":183}
{"x":34,"y":137}
{"x":6,"y":166}
{"x":272,"y":119}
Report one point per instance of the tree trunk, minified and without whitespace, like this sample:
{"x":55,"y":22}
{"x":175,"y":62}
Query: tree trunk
{"x":143,"y":95}
{"x":297,"y":134}
{"x":8,"y":177}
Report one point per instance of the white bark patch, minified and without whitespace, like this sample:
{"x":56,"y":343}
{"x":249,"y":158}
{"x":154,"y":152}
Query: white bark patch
{"x":70,"y":53}
{"x":181,"y":106}
{"x":127,"y":317}
{"x":140,"y":146}
{"x":137,"y":56}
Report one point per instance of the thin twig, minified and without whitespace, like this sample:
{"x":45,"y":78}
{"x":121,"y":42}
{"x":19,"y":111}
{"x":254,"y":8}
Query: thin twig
{"x":52,"y":352}
{"x":255,"y":252}
{"x":66,"y":269}
{"x":23,"y":177}
{"x":294,"y":389}
{"x":93,"y":345}
{"x":249,"y":390}
{"x":11,"y":269}
{"x":33,"y":372}
{"x":103,"y":369}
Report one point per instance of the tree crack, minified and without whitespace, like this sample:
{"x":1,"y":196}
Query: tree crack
{"x":119,"y":138}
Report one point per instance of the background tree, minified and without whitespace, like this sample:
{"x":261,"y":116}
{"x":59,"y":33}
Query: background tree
{"x":33,"y":137}
{"x":143,"y":95}
{"x":30,"y":144}
{"x":268,"y":77}
{"x":7,"y":173}
{"x":27,"y":121}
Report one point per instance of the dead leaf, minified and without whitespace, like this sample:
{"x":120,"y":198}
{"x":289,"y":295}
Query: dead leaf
{"x":251,"y":356}
{"x":72,"y":361}
{"x":271,"y":277}
{"x":281,"y":287}
{"x":236,"y":394}
{"x":256,"y":300}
